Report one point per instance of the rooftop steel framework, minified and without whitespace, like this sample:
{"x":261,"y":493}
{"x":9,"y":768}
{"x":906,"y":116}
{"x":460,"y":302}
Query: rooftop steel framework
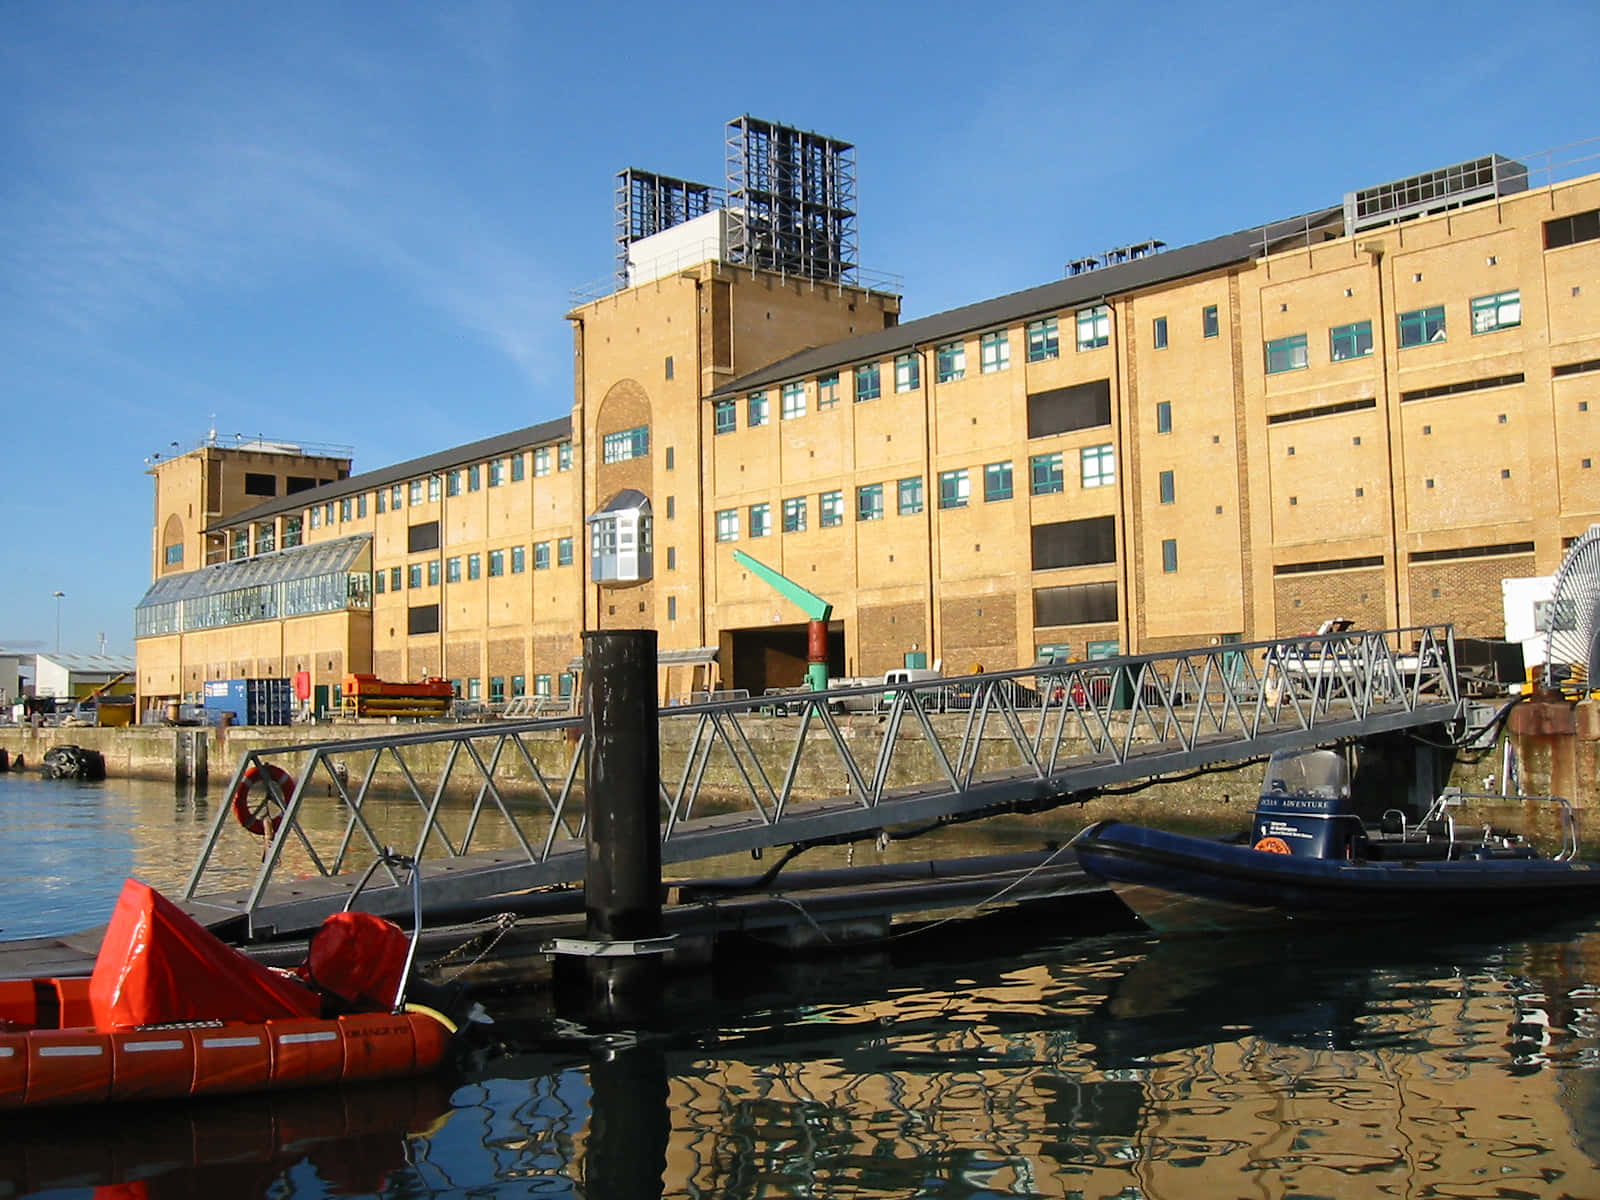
{"x":648,"y":203}
{"x":791,"y":200}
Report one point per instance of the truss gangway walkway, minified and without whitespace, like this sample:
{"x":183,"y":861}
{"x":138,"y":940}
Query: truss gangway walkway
{"x":490,"y":809}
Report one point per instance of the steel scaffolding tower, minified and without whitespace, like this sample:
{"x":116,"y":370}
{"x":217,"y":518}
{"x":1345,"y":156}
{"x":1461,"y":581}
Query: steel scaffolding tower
{"x":647,"y":203}
{"x":791,"y":200}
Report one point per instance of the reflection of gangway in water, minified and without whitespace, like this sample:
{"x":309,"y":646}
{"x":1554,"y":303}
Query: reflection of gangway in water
{"x":1024,"y":740}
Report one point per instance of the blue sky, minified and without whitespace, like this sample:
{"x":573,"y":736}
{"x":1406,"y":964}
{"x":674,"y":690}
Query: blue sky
{"x":360,"y":223}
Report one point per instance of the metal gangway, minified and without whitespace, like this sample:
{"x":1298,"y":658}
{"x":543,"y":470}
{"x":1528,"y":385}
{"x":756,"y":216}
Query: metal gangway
{"x":742,"y":774}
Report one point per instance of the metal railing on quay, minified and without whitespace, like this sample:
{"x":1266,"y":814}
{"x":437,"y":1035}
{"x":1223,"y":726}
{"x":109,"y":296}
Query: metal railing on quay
{"x":746,"y":771}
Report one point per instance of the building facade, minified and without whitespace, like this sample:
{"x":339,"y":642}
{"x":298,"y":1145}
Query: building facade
{"x":1375,"y":411}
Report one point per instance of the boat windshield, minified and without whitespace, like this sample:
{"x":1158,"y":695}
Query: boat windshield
{"x":1320,"y":773}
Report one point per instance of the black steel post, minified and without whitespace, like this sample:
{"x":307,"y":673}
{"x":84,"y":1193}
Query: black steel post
{"x":622,"y":773}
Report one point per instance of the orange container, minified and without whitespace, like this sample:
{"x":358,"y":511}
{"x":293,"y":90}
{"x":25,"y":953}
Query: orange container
{"x":231,"y":1059}
{"x":68,"y":1067}
{"x":305,"y":1052}
{"x":152,"y":1065}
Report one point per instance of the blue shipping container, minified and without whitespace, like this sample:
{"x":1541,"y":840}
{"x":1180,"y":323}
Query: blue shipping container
{"x":251,"y":701}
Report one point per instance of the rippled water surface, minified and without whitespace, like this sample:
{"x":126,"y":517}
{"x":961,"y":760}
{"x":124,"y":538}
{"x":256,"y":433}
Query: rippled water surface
{"x":1060,"y":1055}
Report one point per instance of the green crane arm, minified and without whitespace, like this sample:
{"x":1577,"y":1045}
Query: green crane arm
{"x":813,"y":605}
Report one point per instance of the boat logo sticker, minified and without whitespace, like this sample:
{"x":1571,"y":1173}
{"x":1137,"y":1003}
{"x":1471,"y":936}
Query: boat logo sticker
{"x":1273,"y":845}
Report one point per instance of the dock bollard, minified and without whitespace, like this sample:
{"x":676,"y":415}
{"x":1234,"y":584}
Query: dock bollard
{"x":613,"y":976}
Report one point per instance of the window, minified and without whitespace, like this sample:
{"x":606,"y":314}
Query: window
{"x":1208,"y":321}
{"x":564,"y":456}
{"x":422,"y":618}
{"x":414,"y":490}
{"x":827,"y":391}
{"x":394,"y":579}
{"x":316,"y":523}
{"x":519,"y":559}
{"x":433,"y":572}
{"x":1169,"y":555}
{"x":1421,"y":327}
{"x":396,"y":498}
{"x":831,"y":507}
{"x":422,"y":536}
{"x":414,"y":575}
{"x":757,"y":410}
{"x":1044,"y":340}
{"x":1064,"y":409}
{"x":473,"y":479}
{"x":1500,"y":311}
{"x":728,"y":525}
{"x":1287,"y":354}
{"x":174,"y":556}
{"x":1046,"y":473}
{"x":474,"y":688}
{"x":952,"y":361}
{"x":452,"y":484}
{"x":626,"y":444}
{"x":672,"y":608}
{"x":869,"y":502}
{"x":291,"y":531}
{"x":1167,"y":491}
{"x":519,"y":469}
{"x":541,"y":556}
{"x":474,"y":566}
{"x":994,"y":352}
{"x":725,"y":416}
{"x":497,"y":689}
{"x":519,"y":686}
{"x":1350,"y":341}
{"x":1568,"y":231}
{"x":361,"y":506}
{"x":997,"y":482}
{"x":1076,"y":604}
{"x":564,"y":552}
{"x":1094,"y":327}
{"x":867,"y":386}
{"x":1164,"y":416}
{"x":380,"y":502}
{"x":955,"y":489}
{"x":907,"y":372}
{"x":667,"y":366}
{"x":792,"y":401}
{"x":760,"y":520}
{"x":265,"y":537}
{"x":541,"y":685}
{"x":344,"y":509}
{"x":1086,"y":542}
{"x":452,"y":570}
{"x":497,"y":563}
{"x":1098,"y":465}
{"x":1158,"y":333}
{"x":794,"y":515}
{"x":565,"y":682}
{"x":378,"y":578}
{"x":433,"y":489}
{"x":541,"y":461}
{"x":497,"y":472}
{"x":672,"y":558}
{"x":260,"y":485}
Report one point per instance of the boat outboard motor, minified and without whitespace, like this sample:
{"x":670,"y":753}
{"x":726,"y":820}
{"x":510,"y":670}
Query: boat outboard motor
{"x":1305,"y":807}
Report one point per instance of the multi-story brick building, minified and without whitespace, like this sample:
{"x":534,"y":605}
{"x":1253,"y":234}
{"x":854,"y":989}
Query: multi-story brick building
{"x":1378,"y":411}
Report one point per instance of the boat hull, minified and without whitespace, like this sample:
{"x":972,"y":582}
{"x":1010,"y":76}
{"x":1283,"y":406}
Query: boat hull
{"x":1180,"y":884}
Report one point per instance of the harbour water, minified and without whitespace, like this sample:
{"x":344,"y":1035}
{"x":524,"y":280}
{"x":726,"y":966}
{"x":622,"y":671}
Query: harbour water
{"x":1067,"y":1054}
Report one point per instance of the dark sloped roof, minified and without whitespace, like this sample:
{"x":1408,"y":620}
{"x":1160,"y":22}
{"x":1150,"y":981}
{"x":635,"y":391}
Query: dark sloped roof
{"x":442,"y":460}
{"x":1071,"y":292}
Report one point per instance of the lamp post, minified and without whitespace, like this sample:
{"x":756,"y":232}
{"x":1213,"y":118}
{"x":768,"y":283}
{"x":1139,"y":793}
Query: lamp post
{"x":59,"y":597}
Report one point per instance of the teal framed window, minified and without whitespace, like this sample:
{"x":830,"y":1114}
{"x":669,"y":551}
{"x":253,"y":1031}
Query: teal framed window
{"x":519,"y":468}
{"x":1094,"y":327}
{"x":519,"y":559}
{"x":174,"y":554}
{"x":626,"y":444}
{"x":1209,"y":325}
{"x":1045,"y":474}
{"x":452,"y":570}
{"x":565,"y":682}
{"x":541,"y":462}
{"x":414,"y":488}
{"x":414,"y":575}
{"x":497,"y":472}
{"x":378,"y":579}
{"x":997,"y":482}
{"x":830,"y":509}
{"x":452,"y":485}
{"x":1164,"y":416}
{"x":1044,"y":340}
{"x":907,"y":372}
{"x":541,"y":556}
{"x":474,"y":688}
{"x":868,"y":386}
{"x":345,"y":508}
{"x":1287,"y":354}
{"x":955,"y":489}
{"x":793,"y":401}
{"x":994,"y":352}
{"x":760,"y":520}
{"x":728,"y":525}
{"x":827,"y":391}
{"x":474,"y":480}
{"x":541,"y":685}
{"x":757,"y":410}
{"x":1350,"y":341}
{"x":1503,"y":310}
{"x":433,"y":572}
{"x":564,"y":552}
{"x":951,"y":362}
{"x":794,"y":514}
{"x":497,"y":563}
{"x":724,"y":416}
{"x":869,"y":502}
{"x":519,"y":686}
{"x":1421,"y":326}
{"x":1169,"y":555}
{"x":1168,"y":491}
{"x":497,"y":689}
{"x":1098,"y":465}
{"x":1158,"y":333}
{"x":910,"y":496}
{"x":564,"y":456}
{"x":394,"y":579}
{"x":474,"y":566}
{"x":397,"y":498}
{"x":361,"y":506}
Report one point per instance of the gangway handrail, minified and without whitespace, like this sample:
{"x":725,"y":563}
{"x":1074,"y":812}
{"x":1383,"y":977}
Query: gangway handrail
{"x":1037,"y":735}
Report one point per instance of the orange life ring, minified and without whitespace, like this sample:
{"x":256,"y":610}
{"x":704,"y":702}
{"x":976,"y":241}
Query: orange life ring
{"x":1272,"y":845}
{"x":259,"y":820}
